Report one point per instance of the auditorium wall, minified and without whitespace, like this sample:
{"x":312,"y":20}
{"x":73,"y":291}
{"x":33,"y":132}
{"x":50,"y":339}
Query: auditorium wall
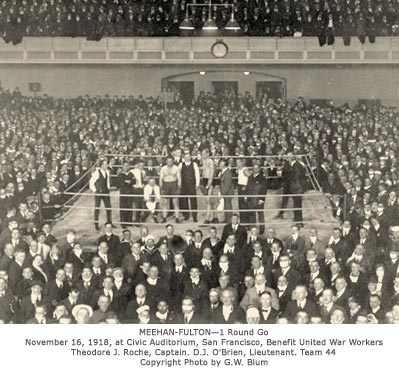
{"x":338,"y":82}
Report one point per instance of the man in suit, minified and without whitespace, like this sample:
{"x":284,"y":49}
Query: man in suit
{"x":271,"y":238}
{"x":163,"y":259}
{"x":226,"y":188}
{"x":103,"y":310}
{"x":341,"y":248}
{"x":293,"y":276}
{"x":7,"y":258}
{"x":26,"y":310}
{"x":113,"y":242}
{"x":375,"y":308}
{"x":208,"y":268}
{"x":190,"y":181}
{"x":131,"y":262}
{"x":100,"y":185}
{"x":178,"y":278}
{"x":140,"y":299}
{"x":67,"y":246}
{"x":193,"y":252}
{"x":257,"y":267}
{"x":252,"y":295}
{"x":283,"y":292}
{"x":301,"y":303}
{"x":213,"y":242}
{"x":256,"y":250}
{"x":122,"y":292}
{"x":327,"y":305}
{"x":57,"y":289}
{"x":235,"y":228}
{"x":15,"y":270}
{"x":313,"y":242}
{"x":369,"y":243}
{"x":295,"y":247}
{"x":126,"y":182}
{"x":294,"y":183}
{"x":212,"y":307}
{"x":76,"y":257}
{"x":107,"y":260}
{"x":7,"y":303}
{"x":196,"y":288}
{"x":313,"y":274}
{"x":188,"y":314}
{"x":256,"y":190}
{"x":157,"y":288}
{"x":87,"y":287}
{"x":268,"y":314}
{"x":108,"y":289}
{"x":343,"y":293}
{"x":255,"y":237}
{"x":235,"y":258}
{"x":228,"y":312}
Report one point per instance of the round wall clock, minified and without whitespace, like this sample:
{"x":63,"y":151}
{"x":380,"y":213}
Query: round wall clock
{"x":219,"y":49}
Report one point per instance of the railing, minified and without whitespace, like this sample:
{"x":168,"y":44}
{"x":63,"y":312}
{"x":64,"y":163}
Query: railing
{"x":197,"y":50}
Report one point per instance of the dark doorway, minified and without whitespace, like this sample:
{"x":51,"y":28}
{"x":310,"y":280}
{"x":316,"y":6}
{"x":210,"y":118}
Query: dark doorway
{"x":223,"y":88}
{"x":273,"y":89}
{"x":184,"y":89}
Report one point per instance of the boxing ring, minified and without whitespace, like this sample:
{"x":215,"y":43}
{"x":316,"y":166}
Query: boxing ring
{"x":78,"y":211}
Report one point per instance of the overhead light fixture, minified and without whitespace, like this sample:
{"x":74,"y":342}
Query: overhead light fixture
{"x":187,"y":24}
{"x":232,"y":24}
{"x":247,"y":73}
{"x":210,"y":24}
{"x":202,"y":73}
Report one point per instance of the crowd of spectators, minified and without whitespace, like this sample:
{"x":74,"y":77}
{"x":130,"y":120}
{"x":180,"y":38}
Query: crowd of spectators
{"x":95,"y":19}
{"x":239,"y":275}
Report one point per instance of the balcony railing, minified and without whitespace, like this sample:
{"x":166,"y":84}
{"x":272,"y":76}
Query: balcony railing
{"x":197,"y":50}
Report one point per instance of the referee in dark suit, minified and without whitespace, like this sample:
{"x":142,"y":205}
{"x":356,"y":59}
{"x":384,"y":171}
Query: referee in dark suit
{"x":126,"y":182}
{"x":294,"y":182}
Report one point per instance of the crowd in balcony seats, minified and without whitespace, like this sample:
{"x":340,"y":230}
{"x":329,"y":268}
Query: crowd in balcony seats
{"x":237,"y":274}
{"x":94,"y":19}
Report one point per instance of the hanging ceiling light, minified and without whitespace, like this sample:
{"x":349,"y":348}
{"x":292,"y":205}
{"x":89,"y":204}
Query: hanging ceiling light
{"x":210,"y":24}
{"x":187,"y":24}
{"x":232,"y":24}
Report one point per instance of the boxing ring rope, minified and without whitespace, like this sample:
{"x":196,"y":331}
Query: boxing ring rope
{"x":257,"y":157}
{"x":69,"y":205}
{"x":74,"y":195}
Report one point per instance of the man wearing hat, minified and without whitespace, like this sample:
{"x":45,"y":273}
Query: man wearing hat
{"x":82,"y":313}
{"x":143,"y":314}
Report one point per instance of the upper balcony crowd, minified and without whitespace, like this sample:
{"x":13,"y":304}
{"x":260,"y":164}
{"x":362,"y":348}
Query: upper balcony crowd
{"x":95,"y":19}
